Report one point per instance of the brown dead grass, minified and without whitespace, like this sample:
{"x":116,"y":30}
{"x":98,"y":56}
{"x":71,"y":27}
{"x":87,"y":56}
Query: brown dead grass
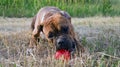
{"x":97,"y":34}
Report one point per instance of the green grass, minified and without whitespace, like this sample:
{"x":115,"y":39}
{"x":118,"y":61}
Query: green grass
{"x":76,"y":8}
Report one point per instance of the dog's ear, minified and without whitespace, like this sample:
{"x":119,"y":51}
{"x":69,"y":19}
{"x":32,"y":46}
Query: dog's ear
{"x":50,"y":22}
{"x":66,"y":15}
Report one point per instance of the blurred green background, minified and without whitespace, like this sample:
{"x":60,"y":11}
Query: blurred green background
{"x":76,"y":8}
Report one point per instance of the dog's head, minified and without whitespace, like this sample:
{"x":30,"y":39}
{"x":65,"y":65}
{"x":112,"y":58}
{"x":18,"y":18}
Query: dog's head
{"x":57,"y":30}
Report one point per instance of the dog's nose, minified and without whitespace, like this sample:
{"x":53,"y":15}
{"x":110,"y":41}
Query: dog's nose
{"x":60,"y":42}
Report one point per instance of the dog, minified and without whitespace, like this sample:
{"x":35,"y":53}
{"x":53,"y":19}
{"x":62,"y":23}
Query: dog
{"x":56,"y":25}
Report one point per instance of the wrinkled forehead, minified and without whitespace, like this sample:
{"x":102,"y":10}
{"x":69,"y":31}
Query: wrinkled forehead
{"x":56,"y":23}
{"x":59,"y":28}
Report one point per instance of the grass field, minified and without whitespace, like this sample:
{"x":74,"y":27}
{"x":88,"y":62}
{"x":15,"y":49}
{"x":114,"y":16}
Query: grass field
{"x":76,"y":8}
{"x":99,"y":35}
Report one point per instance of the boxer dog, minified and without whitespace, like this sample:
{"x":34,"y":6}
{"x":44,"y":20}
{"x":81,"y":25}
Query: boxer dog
{"x":56,"y":25}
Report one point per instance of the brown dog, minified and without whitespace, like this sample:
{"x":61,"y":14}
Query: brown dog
{"x":57,"y":28}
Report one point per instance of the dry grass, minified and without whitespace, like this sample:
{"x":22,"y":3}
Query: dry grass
{"x":99,"y":35}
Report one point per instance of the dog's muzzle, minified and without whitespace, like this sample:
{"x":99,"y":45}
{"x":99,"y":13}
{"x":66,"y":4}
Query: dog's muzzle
{"x":65,"y":42}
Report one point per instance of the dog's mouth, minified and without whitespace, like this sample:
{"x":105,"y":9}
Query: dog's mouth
{"x":66,"y":50}
{"x":64,"y":46}
{"x":62,"y":54}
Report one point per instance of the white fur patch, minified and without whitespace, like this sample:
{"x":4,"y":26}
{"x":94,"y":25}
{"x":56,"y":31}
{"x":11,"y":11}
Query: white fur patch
{"x":42,"y":18}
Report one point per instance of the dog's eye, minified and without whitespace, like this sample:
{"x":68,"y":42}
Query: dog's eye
{"x":50,"y":35}
{"x":64,"y":29}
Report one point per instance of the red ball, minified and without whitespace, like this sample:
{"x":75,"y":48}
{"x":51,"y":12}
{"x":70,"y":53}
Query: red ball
{"x":62,"y":54}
